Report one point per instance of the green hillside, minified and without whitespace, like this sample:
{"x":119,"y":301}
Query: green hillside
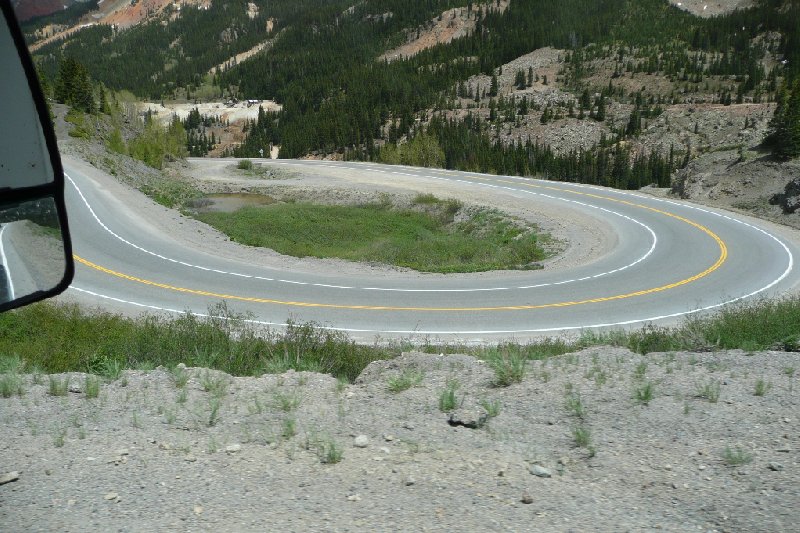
{"x":336,"y":94}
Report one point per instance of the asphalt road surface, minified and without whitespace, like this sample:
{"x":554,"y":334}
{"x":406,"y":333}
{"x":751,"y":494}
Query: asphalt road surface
{"x":671,"y":259}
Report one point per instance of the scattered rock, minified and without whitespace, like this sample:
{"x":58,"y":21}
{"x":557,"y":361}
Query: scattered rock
{"x":198,"y":509}
{"x":354,"y":498}
{"x":469,"y":418}
{"x":361,"y":441}
{"x":111,"y":496}
{"x":9,"y":477}
{"x":526,"y":498}
{"x":410,"y":481}
{"x":775,"y":467}
{"x":233,"y":448}
{"x":539,"y":471}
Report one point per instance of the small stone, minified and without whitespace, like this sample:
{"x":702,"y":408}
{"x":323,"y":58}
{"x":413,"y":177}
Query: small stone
{"x":354,"y":498}
{"x":384,"y":449}
{"x":111,"y":496}
{"x":48,"y":472}
{"x":233,"y":448}
{"x":198,"y":509}
{"x":123,"y":451}
{"x":388,"y":438}
{"x":9,"y":477}
{"x":469,"y":418}
{"x":526,"y":498}
{"x":701,"y":467}
{"x":361,"y":441}
{"x":564,"y":460}
{"x":165,"y":446}
{"x":408,"y":425}
{"x":775,"y":467}
{"x":410,"y":481}
{"x":784,"y":449}
{"x":673,"y":485}
{"x":190,"y":458}
{"x":667,"y":467}
{"x":539,"y":471}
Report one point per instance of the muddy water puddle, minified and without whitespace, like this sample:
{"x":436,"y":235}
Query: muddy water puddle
{"x":230,"y":202}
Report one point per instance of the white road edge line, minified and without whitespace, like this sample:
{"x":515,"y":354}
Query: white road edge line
{"x":4,"y":259}
{"x":653,"y":244}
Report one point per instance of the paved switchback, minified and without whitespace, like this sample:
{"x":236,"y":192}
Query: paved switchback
{"x":671,"y":258}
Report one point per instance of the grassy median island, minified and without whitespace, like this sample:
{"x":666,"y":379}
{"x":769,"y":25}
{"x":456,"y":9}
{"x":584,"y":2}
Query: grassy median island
{"x":426,"y":236}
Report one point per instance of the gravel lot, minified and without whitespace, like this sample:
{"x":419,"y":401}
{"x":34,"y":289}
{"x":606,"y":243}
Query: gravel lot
{"x":151,"y":453}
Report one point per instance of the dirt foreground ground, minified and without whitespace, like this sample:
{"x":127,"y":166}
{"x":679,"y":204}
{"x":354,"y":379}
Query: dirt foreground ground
{"x":217,"y":453}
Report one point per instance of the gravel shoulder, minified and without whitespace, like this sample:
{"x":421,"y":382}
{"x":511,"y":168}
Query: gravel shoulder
{"x":150,"y":455}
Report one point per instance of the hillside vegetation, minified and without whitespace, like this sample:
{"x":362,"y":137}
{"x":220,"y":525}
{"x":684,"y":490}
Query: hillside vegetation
{"x":599,"y":109}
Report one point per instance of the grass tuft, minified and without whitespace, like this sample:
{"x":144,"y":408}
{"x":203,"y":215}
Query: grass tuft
{"x":575,"y":405}
{"x":11,"y":384}
{"x":509,"y":367}
{"x":582,"y":436}
{"x":645,"y":393}
{"x":448,"y":399}
{"x":492,"y":407}
{"x":405,"y":380}
{"x":91,"y":386}
{"x":736,"y":457}
{"x":709,"y":391}
{"x":58,"y":387}
{"x":762,"y":387}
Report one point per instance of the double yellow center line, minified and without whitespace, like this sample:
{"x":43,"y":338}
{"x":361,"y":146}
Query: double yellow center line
{"x":723,"y":255}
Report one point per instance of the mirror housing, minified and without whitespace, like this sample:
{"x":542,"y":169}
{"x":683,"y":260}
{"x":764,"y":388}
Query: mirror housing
{"x":35,"y":248}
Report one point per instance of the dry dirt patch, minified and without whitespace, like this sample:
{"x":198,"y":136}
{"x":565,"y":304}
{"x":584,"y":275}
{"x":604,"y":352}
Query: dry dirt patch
{"x":150,"y":454}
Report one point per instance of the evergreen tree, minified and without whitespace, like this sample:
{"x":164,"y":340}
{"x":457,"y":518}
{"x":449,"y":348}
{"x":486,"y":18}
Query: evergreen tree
{"x":519,"y":79}
{"x":784,"y":136}
{"x":493,"y":87}
{"x":74,"y":86}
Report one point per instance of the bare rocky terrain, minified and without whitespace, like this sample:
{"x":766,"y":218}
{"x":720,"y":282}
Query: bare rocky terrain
{"x":568,"y":449}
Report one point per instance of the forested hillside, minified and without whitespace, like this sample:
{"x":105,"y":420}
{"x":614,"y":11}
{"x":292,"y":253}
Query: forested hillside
{"x":323,"y":67}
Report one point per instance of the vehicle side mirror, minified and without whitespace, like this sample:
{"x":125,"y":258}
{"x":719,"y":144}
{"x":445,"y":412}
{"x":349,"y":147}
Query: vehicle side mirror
{"x":35,"y":250}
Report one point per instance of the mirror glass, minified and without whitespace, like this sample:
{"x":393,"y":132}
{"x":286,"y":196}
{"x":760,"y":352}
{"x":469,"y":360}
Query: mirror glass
{"x":35,"y":253}
{"x":24,"y":159}
{"x":32,"y":257}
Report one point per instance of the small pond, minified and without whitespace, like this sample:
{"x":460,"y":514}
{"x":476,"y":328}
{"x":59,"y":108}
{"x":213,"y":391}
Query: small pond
{"x":230,"y":202}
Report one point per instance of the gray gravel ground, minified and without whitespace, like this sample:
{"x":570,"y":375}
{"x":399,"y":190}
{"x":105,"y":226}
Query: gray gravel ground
{"x":217,"y":453}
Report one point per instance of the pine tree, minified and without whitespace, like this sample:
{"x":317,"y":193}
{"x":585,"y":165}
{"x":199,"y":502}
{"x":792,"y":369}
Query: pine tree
{"x":784,"y":127}
{"x":493,"y":87}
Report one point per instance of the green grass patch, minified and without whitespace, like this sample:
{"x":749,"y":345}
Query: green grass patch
{"x":82,"y":127}
{"x":405,"y":380}
{"x":425,"y":241}
{"x":56,"y":338}
{"x":61,"y":338}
